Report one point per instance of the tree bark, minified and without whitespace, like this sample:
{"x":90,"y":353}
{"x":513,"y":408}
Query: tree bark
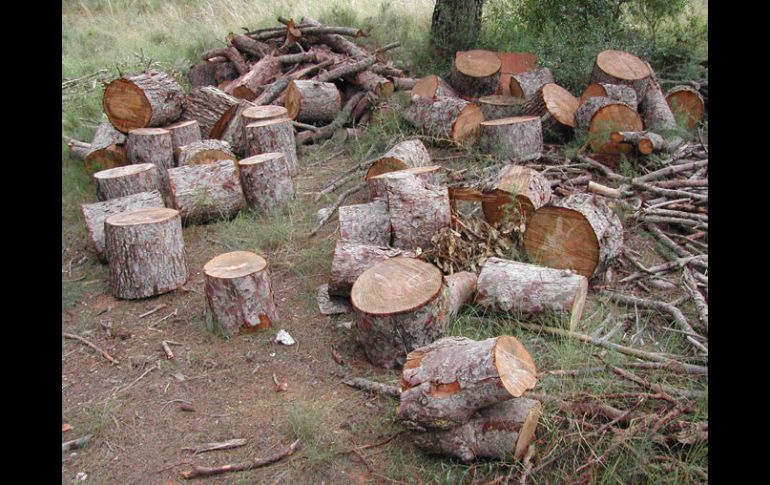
{"x":496,"y":106}
{"x":618,"y":92}
{"x":233,"y":130}
{"x":207,"y":105}
{"x":456,"y":25}
{"x":519,"y":138}
{"x":249,"y":85}
{"x":207,"y":192}
{"x":618,"y":67}
{"x":406,"y":154}
{"x":445,"y":119}
{"x":367,"y":224}
{"x":106,"y":135}
{"x":476,"y":73}
{"x":266,"y":181}
{"x":378,"y":185}
{"x":433,"y":87}
{"x":417,"y":211}
{"x":351,"y":260}
{"x":183,"y":133}
{"x":312,"y":101}
{"x":525,"y":85}
{"x":128,"y":180}
{"x":152,"y":145}
{"x":203,"y":152}
{"x":143,"y":100}
{"x":515,"y":195}
{"x":276,"y":135}
{"x":263,"y":113}
{"x":646,"y":142}
{"x":655,"y":111}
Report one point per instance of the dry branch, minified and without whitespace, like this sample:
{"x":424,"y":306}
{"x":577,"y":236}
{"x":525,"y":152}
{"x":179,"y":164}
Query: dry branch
{"x":202,"y":471}
{"x":80,"y":339}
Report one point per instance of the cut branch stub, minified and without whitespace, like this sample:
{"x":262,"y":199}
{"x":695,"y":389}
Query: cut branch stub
{"x":147,"y":99}
{"x":618,"y":92}
{"x":128,"y":180}
{"x":444,"y":119}
{"x":444,"y":383}
{"x":206,"y":192}
{"x":266,"y":181}
{"x":526,"y":84}
{"x":599,"y":117}
{"x":238,"y":292}
{"x":417,"y":210}
{"x":687,"y":105}
{"x":350,"y":260}
{"x":406,"y":154}
{"x":365,"y":224}
{"x":518,"y":138}
{"x":476,"y":73}
{"x":378,"y":185}
{"x":433,"y":86}
{"x":497,"y":106}
{"x":516,"y":194}
{"x":203,"y":152}
{"x":313,"y":101}
{"x":619,"y":67}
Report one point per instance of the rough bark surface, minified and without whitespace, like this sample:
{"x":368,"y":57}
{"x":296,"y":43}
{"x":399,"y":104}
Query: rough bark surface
{"x":365,"y":224}
{"x":525,"y":85}
{"x":497,"y":106}
{"x":203,"y":74}
{"x":331,"y":305}
{"x":456,"y":25}
{"x":248,"y":86}
{"x":598,"y":117}
{"x":351,"y":260}
{"x":203,"y":152}
{"x":646,"y":142}
{"x":336,"y":41}
{"x":655,"y":110}
{"x":378,"y":185}
{"x":472,"y":84}
{"x":461,"y":287}
{"x":515,"y":195}
{"x":518,"y":138}
{"x":449,"y":119}
{"x":183,"y":133}
{"x":313,"y":101}
{"x":207,"y":105}
{"x":273,"y":136}
{"x":266,"y":181}
{"x":233,"y":131}
{"x":147,"y":99}
{"x":618,"y":92}
{"x":128,"y":180}
{"x":262,"y":113}
{"x":417,"y":210}
{"x":433,"y":86}
{"x":375,"y":83}
{"x":208,"y":192}
{"x":145,"y":249}
{"x":406,"y":154}
{"x":152,"y":145}
{"x":106,"y":135}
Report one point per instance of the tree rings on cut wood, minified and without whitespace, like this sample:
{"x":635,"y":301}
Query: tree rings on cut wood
{"x":556,"y":106}
{"x":476,"y":72}
{"x":444,"y":383}
{"x":433,"y":86}
{"x":369,"y":81}
{"x":238,"y":292}
{"x":206,"y":192}
{"x":511,"y":286}
{"x":417,"y":210}
{"x":517,"y":138}
{"x":313,"y":101}
{"x":618,"y":92}
{"x":687,"y":105}
{"x":350,"y":260}
{"x":496,"y":106}
{"x":399,"y":306}
{"x":184,"y":132}
{"x":150,"y":98}
{"x":275,"y":135}
{"x":646,"y":142}
{"x":619,"y":67}
{"x":203,"y":152}
{"x":266,"y":181}
{"x":526,"y":84}
{"x":145,"y":249}
{"x":378,"y":185}
{"x":406,"y":154}
{"x":365,"y":223}
{"x":516,"y":194}
{"x":599,"y":117}
{"x":444,"y":119}
{"x":579,"y":233}
{"x":122,"y":181}
{"x":262,"y":113}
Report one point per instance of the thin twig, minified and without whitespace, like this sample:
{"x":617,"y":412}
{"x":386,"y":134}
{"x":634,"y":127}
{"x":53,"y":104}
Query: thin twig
{"x":333,"y":208}
{"x":80,"y":339}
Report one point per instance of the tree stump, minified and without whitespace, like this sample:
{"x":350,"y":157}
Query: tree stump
{"x":687,"y":105}
{"x":152,"y":145}
{"x":351,"y":260}
{"x":655,"y":110}
{"x":496,"y":107}
{"x":378,"y":185}
{"x":95,"y":213}
{"x":599,"y":117}
{"x":516,"y":194}
{"x":365,"y":224}
{"x":447,"y":119}
{"x":270,"y":136}
{"x":183,"y":133}
{"x":203,"y":152}
{"x":143,"y":100}
{"x":145,"y":249}
{"x":511,"y":286}
{"x":406,"y":154}
{"x":618,"y":92}
{"x":579,"y":233}
{"x":518,"y":138}
{"x":208,"y":105}
{"x":475,"y":73}
{"x":400,"y":305}
{"x":263,"y":113}
{"x":127,"y":180}
{"x":556,"y":106}
{"x":313,"y":101}
{"x":618,"y":67}
{"x":208,"y":192}
{"x":266,"y":182}
{"x":434,"y":87}
{"x":238,"y":292}
{"x":445,"y":382}
{"x":501,"y":431}
{"x":249,"y":85}
{"x":417,"y":210}
{"x":525,"y":85}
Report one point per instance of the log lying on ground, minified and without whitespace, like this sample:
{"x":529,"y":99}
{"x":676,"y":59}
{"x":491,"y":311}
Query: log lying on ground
{"x":238,"y":292}
{"x":511,"y":286}
{"x":417,"y":210}
{"x":378,"y":185}
{"x":646,"y":142}
{"x":232,"y":132}
{"x":249,"y":85}
{"x":147,"y":99}
{"x":579,"y":233}
{"x":406,"y":154}
{"x":476,"y":73}
{"x":496,"y":106}
{"x":450,"y":119}
{"x":367,"y":224}
{"x":145,"y":249}
{"x":599,"y":117}
{"x":433,"y":87}
{"x":351,"y":260}
{"x":444,"y":383}
{"x":275,"y":135}
{"x":230,"y":53}
{"x":203,"y":74}
{"x":336,"y":41}
{"x":128,"y":180}
{"x":526,"y":84}
{"x":94,"y":215}
{"x":208,"y":105}
{"x":204,"y":152}
{"x":404,"y":83}
{"x":313,"y":101}
{"x":111,"y":156}
{"x":106,"y":135}
{"x":461,"y":287}
{"x":618,"y":67}
{"x":513,"y":63}
{"x":655,"y":111}
{"x":278,"y":86}
{"x":183,"y":133}
{"x":501,"y":431}
{"x":369,"y":81}
{"x":152,"y":145}
{"x":556,"y":106}
{"x":266,"y":181}
{"x":686,"y":104}
{"x":515,"y":195}
{"x":207,"y":192}
{"x":79,"y":150}
{"x":518,"y":138}
{"x":618,"y":92}
{"x":329,"y":130}
{"x":263,"y":113}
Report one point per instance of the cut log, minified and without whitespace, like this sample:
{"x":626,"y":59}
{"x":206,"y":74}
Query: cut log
{"x":447,"y":119}
{"x":152,"y":145}
{"x":249,"y":85}
{"x":106,"y":135}
{"x":618,"y":67}
{"x":646,"y":142}
{"x":203,"y":152}
{"x":579,"y":233}
{"x":224,"y":71}
{"x":400,"y":304}
{"x":94,"y":215}
{"x":516,"y":194}
{"x":444,"y":383}
{"x":417,"y":210}
{"x":599,"y":117}
{"x":79,"y":150}
{"x":461,"y":287}
{"x":208,"y":105}
{"x":618,"y":92}
{"x":501,"y":431}
{"x":351,"y":260}
{"x":655,"y":111}
{"x":378,"y":185}
{"x":687,"y":105}
{"x":336,"y":41}
{"x":476,"y":73}
{"x":433,"y":87}
{"x":527,"y":289}
{"x":345,"y":69}
{"x":128,"y":180}
{"x":369,"y":81}
{"x":496,"y":107}
{"x":143,"y":100}
{"x":202,"y":75}
{"x":404,"y":83}
{"x":145,"y":249}
{"x":367,"y":224}
{"x":208,"y":192}
{"x":276,"y":135}
{"x":406,"y":154}
{"x":513,"y":63}
{"x":526,"y":84}
{"x":108,"y":157}
{"x":238,"y":292}
{"x":263,"y":113}
{"x":331,"y":305}
{"x":313,"y":101}
{"x":556,"y":106}
{"x":250,"y":46}
{"x":233,"y":131}
{"x":183,"y":133}
{"x":266,"y":181}
{"x":518,"y":138}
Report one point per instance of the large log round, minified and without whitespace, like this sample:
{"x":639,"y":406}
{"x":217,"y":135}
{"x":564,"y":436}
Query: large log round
{"x":476,"y":73}
{"x":618,"y":92}
{"x":275,"y":135}
{"x":433,"y":86}
{"x":203,"y":152}
{"x":350,"y":260}
{"x":365,"y":223}
{"x":313,"y":101}
{"x":127,"y":180}
{"x":378,"y":185}
{"x":526,"y":84}
{"x":151,"y":98}
{"x":417,"y":210}
{"x":496,"y":106}
{"x":266,"y":181}
{"x":518,"y":138}
{"x":619,"y":67}
{"x":444,"y":119}
{"x":599,"y":117}
{"x":207,"y":192}
{"x":687,"y":105}
{"x":515,"y":195}
{"x":406,"y":154}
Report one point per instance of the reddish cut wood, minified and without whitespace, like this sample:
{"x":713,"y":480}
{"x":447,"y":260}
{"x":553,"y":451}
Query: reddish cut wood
{"x":406,"y":154}
{"x":618,"y":92}
{"x":687,"y":105}
{"x":365,"y":224}
{"x":147,"y":99}
{"x":104,"y":158}
{"x":369,"y":81}
{"x":476,"y":72}
{"x":378,"y":185}
{"x":497,"y":106}
{"x":313,"y":101}
{"x":266,"y":181}
{"x":599,"y":117}
{"x":203,"y":152}
{"x":554,"y":103}
{"x":238,"y":292}
{"x":516,"y":193}
{"x":433,"y":86}
{"x":128,"y":180}
{"x":275,"y":135}
{"x":417,"y":210}
{"x":513,"y":63}
{"x":249,"y":85}
{"x":445,"y":119}
{"x":517,"y":138}
{"x":619,"y":67}
{"x":208,"y":192}
{"x":350,"y":260}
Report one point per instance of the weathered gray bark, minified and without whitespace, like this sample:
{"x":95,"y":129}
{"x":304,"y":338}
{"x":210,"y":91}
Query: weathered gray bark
{"x":207,"y":105}
{"x":127,"y":180}
{"x":203,"y":152}
{"x":406,"y":154}
{"x":266,"y":181}
{"x":518,"y":138}
{"x":417,"y":211}
{"x":276,"y":135}
{"x":365,"y":224}
{"x":525,"y":85}
{"x":313,"y":101}
{"x":444,"y":119}
{"x":350,"y":260}
{"x":207,"y":192}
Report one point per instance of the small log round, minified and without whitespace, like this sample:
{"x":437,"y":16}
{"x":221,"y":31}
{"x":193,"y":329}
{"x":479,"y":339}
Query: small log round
{"x":579,"y":233}
{"x":103,"y":158}
{"x":599,"y":117}
{"x":687,"y":105}
{"x":619,"y":67}
{"x":238,"y":292}
{"x":95,"y":213}
{"x":249,"y":85}
{"x":266,"y":181}
{"x":350,"y":260}
{"x":445,"y":382}
{"x":378,"y":185}
{"x":496,"y":106}
{"x":152,"y":145}
{"x":476,"y":73}
{"x":127,"y":180}
{"x":365,"y":224}
{"x":262,"y":113}
{"x":417,"y":210}
{"x":526,"y":84}
{"x":516,"y":194}
{"x":501,"y":431}
{"x":208,"y":105}
{"x":276,"y":135}
{"x":313,"y":101}
{"x":445,"y":119}
{"x":207,"y":192}
{"x":432,"y":87}
{"x":646,"y":142}
{"x":106,"y":135}
{"x":400,"y":305}
{"x":518,"y":138}
{"x":148,"y":99}
{"x":406,"y":154}
{"x":511,"y":286}
{"x":618,"y":92}
{"x":369,"y":81}
{"x":145,"y":249}
{"x":556,"y":106}
{"x":183,"y":133}
{"x":655,"y":110}
{"x":203,"y":152}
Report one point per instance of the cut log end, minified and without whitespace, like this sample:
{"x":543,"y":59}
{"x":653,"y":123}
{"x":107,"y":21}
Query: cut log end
{"x":151,"y":215}
{"x":397,"y":285}
{"x":622,"y":65}
{"x":514,"y":364}
{"x":126,"y":105}
{"x":467,"y":123}
{"x":477,"y":63}
{"x":687,"y":106}
{"x":236,"y":264}
{"x":560,"y":103}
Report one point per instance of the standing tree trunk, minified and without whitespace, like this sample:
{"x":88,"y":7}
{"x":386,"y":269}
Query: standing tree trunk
{"x":456,"y":24}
